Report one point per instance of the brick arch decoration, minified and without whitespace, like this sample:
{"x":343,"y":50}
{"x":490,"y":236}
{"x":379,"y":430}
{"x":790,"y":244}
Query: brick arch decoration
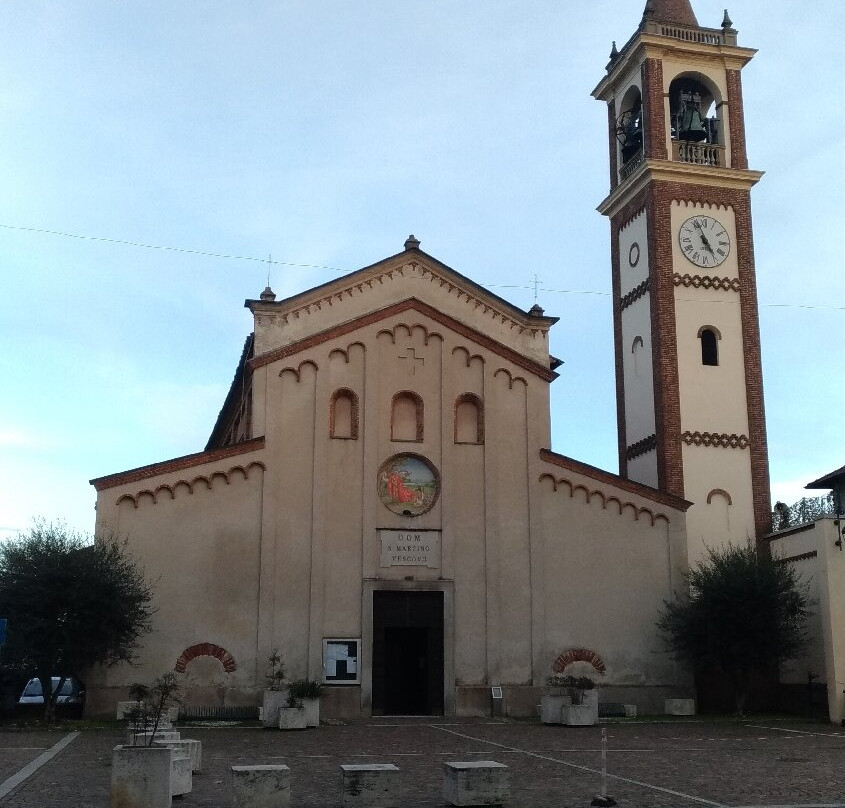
{"x":579,"y":655}
{"x":206,"y":649}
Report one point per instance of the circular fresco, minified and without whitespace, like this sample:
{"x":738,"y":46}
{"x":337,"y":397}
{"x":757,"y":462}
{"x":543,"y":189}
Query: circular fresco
{"x":408,"y":484}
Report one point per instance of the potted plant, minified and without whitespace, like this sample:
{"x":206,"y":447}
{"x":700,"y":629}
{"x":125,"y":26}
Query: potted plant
{"x":308,"y":691}
{"x":274,"y":694}
{"x":144,"y":775}
{"x":292,"y":715}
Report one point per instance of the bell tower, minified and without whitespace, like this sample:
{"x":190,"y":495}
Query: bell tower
{"x":688,"y":376}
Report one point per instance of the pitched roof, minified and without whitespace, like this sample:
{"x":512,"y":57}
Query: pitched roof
{"x":675,"y":12}
{"x":829,"y":480}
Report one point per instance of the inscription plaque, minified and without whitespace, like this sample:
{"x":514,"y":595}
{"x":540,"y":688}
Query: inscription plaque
{"x":410,"y":548}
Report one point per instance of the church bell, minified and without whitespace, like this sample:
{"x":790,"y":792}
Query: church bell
{"x":689,"y":122}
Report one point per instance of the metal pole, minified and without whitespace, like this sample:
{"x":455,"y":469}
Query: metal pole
{"x":604,"y":761}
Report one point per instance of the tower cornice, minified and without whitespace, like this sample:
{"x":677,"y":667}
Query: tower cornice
{"x":669,"y":171}
{"x":653,"y":46}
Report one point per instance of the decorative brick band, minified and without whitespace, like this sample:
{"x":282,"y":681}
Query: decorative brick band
{"x":706,"y":282}
{"x":641,"y":447}
{"x":206,"y":649}
{"x":723,"y":440}
{"x":636,"y":293}
{"x":579,"y":655}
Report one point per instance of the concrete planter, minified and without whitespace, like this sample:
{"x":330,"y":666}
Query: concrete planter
{"x":551,"y":706}
{"x":190,"y":747}
{"x":273,"y":701}
{"x":143,"y":738}
{"x":579,"y":715}
{"x":312,"y":712}
{"x":140,"y":777}
{"x":680,"y":706}
{"x":181,"y":773}
{"x":292,"y":718}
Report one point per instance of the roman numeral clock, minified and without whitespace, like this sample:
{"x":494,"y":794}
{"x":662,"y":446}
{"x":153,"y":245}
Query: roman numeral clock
{"x":704,"y":241}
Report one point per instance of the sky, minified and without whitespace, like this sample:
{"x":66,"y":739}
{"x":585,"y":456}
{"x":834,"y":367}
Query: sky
{"x":321,"y":134}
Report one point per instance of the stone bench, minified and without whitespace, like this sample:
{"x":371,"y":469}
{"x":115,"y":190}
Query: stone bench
{"x":373,"y":785}
{"x":477,"y":782}
{"x":261,"y":786}
{"x":192,"y":748}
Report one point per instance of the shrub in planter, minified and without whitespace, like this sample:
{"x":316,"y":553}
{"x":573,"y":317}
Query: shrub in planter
{"x":308,"y":691}
{"x":292,"y":715}
{"x":274,"y":693}
{"x":142,"y":773}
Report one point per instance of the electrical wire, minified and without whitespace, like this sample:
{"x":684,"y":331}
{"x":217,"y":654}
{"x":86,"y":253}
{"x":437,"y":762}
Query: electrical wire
{"x":270,"y":262}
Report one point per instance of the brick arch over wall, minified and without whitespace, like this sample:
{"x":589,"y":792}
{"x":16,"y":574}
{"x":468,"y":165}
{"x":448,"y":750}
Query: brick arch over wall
{"x":206,"y":649}
{"x":579,"y":655}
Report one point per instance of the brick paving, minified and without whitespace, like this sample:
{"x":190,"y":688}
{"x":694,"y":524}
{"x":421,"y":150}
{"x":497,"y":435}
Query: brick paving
{"x":703,"y":763}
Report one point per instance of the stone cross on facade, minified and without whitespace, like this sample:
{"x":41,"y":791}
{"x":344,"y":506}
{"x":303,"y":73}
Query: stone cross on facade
{"x":413,"y":359}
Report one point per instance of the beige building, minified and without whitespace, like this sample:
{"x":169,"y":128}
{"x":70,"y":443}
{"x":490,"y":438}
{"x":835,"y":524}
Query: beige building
{"x":816,"y":552}
{"x":379,"y":500}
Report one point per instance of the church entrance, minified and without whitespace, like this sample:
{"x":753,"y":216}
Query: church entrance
{"x":407,"y":653}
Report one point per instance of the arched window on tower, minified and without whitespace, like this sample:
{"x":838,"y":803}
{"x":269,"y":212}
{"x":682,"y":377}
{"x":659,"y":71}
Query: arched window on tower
{"x":695,"y":121}
{"x":343,"y":414}
{"x":629,"y":128}
{"x":406,"y":417}
{"x":709,"y":337}
{"x":469,"y":419}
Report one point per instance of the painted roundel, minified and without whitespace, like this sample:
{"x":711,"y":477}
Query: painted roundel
{"x":634,"y":255}
{"x":408,"y":484}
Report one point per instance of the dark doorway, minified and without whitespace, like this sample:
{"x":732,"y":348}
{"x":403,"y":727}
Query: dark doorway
{"x":407,"y":653}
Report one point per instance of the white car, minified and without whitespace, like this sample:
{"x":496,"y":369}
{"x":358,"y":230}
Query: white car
{"x":70,"y":698}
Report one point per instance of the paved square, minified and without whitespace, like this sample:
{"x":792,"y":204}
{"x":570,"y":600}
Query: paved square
{"x":695,"y":763}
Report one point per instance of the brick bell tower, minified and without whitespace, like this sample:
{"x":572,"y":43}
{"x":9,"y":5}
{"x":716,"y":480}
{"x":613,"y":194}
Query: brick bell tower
{"x":688,"y":377}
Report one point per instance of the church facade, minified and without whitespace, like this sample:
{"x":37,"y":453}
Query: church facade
{"x":379,"y":500}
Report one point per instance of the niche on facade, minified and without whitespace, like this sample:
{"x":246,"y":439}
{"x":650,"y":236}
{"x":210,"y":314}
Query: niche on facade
{"x":406,"y":417}
{"x":469,"y":419}
{"x":343,"y":414}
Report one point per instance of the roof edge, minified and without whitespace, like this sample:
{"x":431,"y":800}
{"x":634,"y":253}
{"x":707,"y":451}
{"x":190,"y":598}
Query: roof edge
{"x":624,"y":483}
{"x":176,"y":464}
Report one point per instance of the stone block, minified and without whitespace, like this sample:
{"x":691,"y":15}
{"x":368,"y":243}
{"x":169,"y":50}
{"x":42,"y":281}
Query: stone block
{"x":478,"y":782}
{"x":261,"y":786}
{"x":373,"y":785}
{"x":192,"y":748}
{"x":181,"y":777}
{"x":140,"y":777}
{"x":630,"y":711}
{"x":680,"y":706}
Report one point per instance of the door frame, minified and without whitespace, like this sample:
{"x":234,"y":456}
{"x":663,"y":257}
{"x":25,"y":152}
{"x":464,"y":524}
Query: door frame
{"x":448,"y":590}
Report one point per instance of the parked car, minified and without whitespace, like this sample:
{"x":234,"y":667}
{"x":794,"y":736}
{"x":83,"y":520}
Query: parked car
{"x":70,"y":699}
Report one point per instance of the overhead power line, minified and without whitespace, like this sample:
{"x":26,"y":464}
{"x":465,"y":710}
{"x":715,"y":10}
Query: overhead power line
{"x":268,"y":261}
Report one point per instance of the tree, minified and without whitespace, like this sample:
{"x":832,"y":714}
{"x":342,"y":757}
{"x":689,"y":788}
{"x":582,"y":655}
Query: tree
{"x":745,"y":613}
{"x":70,"y":603}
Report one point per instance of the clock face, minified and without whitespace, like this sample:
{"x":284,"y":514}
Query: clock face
{"x":704,"y":241}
